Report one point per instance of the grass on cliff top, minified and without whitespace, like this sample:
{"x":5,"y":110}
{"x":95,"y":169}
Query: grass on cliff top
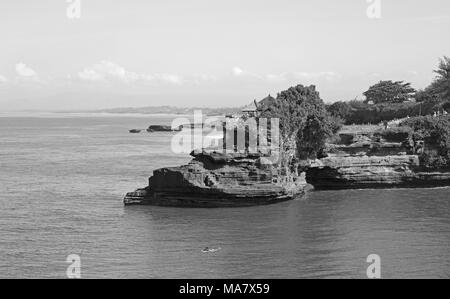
{"x":351,"y":129}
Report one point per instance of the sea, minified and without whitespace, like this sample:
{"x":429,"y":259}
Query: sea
{"x":63,"y":177}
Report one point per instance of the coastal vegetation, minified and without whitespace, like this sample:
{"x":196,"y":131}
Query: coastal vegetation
{"x":359,"y":112}
{"x":435,"y":133}
{"x":428,"y":135}
{"x":305,"y":123}
{"x":389,"y":100}
{"x":440,"y":87}
{"x":394,"y":111}
{"x":389,"y":92}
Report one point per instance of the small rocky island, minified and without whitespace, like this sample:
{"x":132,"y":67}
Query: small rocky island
{"x":313,"y":151}
{"x":161,"y":128}
{"x":219,"y":180}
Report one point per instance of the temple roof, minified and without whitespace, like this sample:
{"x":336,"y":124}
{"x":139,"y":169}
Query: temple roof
{"x":261,"y":105}
{"x":250,"y":108}
{"x":266,"y":102}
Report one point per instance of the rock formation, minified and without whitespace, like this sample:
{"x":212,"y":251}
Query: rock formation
{"x":359,"y":161}
{"x":219,"y":180}
{"x":161,"y":128}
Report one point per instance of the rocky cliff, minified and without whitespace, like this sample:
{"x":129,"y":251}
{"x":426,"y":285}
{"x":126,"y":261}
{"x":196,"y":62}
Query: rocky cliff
{"x":219,"y":180}
{"x":353,"y":161}
{"x":358,"y":161}
{"x":373,"y":172}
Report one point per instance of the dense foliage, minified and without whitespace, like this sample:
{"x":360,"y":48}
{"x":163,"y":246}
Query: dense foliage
{"x":426,"y":95}
{"x":446,"y":106}
{"x":340,"y":109}
{"x":389,"y":100}
{"x":305,"y":123}
{"x":359,"y":112}
{"x":389,"y":92}
{"x":435,"y":132}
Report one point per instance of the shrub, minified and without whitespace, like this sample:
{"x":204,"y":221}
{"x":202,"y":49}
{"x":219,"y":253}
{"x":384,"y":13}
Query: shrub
{"x":434,"y":161}
{"x":396,"y":134}
{"x":436,"y":131}
{"x":363,"y":113}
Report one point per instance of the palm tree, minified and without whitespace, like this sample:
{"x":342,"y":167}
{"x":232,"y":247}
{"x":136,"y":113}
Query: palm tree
{"x":441,"y":84}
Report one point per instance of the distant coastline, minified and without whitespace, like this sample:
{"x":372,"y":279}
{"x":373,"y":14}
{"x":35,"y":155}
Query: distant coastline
{"x":69,"y":114}
{"x":168,"y":110}
{"x":125,"y":111}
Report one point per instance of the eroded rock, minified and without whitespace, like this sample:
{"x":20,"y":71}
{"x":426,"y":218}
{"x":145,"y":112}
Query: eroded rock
{"x":219,"y":180}
{"x":359,"y":162}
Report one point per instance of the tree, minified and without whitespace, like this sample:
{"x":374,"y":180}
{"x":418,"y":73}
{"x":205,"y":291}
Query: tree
{"x":426,"y":95}
{"x":304,"y":122}
{"x":441,"y":84}
{"x":389,"y":92}
{"x":340,"y":109}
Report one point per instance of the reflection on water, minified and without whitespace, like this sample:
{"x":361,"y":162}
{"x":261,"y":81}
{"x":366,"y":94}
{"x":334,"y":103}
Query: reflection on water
{"x":62,"y":184}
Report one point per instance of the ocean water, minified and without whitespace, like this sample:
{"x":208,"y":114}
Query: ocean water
{"x":62,"y":180}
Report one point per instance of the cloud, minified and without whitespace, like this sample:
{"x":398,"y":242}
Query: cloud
{"x":433,"y":19}
{"x":300,"y":76}
{"x":106,"y":70}
{"x":90,"y":75}
{"x":167,"y":78}
{"x":237,"y":71}
{"x":200,"y":78}
{"x":3,"y":79}
{"x":110,"y":71}
{"x":242,"y":74}
{"x":25,"y":72}
{"x":276,"y":78}
{"x":329,"y":76}
{"x":291,"y":77}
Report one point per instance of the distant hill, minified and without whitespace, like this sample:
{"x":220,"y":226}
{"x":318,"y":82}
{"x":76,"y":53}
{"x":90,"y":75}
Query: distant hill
{"x":171,"y":110}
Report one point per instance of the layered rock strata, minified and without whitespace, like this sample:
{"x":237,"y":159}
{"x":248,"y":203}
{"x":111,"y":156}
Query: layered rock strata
{"x":363,"y":161}
{"x":219,"y":180}
{"x":361,"y":172}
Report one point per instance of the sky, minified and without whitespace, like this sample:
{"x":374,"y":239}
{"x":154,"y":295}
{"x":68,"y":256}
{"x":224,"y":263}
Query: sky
{"x":210,"y":53}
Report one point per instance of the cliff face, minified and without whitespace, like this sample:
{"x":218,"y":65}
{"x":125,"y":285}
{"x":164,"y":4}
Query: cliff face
{"x":229,"y":180}
{"x":358,"y":162}
{"x":218,"y":180}
{"x":373,"y":172}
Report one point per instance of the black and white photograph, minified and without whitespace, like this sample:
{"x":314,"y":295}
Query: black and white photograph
{"x":225,"y":146}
